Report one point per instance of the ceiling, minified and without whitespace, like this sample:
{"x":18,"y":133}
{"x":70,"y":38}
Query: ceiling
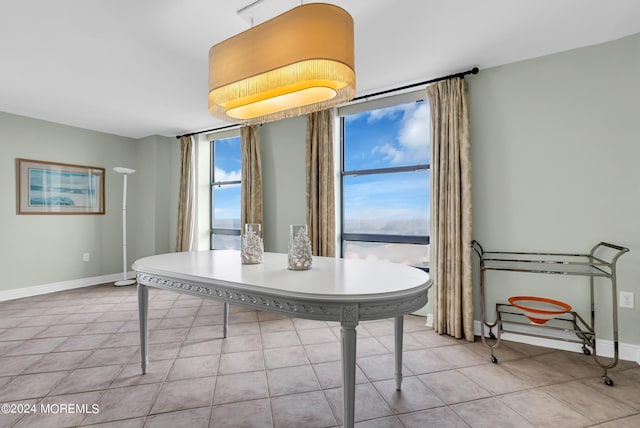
{"x":139,"y":67}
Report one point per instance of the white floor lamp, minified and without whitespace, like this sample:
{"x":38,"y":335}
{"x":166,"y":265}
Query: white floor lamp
{"x":125,"y":281}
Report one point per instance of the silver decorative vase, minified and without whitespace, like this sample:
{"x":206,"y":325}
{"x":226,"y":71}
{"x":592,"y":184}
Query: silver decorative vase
{"x":251,"y":246}
{"x":299,"y":247}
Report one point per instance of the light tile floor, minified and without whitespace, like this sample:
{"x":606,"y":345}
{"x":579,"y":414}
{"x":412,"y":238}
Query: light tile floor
{"x":80,"y":347}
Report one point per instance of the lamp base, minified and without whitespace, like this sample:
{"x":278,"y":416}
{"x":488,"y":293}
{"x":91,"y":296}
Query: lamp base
{"x":124,"y":282}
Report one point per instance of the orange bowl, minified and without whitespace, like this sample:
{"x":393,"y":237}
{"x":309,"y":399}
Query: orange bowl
{"x":539,"y":309}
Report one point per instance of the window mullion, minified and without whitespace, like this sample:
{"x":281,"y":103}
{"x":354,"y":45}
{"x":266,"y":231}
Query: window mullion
{"x":386,"y":238}
{"x":225,"y":183}
{"x":409,"y":168}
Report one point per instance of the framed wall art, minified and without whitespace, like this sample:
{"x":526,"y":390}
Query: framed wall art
{"x":58,"y":188}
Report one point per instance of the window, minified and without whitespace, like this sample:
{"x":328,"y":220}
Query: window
{"x":226,"y":176}
{"x":385,"y":182}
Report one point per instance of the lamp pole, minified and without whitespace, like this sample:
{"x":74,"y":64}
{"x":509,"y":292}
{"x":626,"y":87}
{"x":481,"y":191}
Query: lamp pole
{"x":124,"y":171}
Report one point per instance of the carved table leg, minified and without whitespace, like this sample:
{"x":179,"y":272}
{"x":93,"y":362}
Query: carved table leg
{"x":398,"y":324}
{"x":348,"y":337}
{"x":349,"y":316}
{"x":225,"y":320}
{"x":143,"y":309}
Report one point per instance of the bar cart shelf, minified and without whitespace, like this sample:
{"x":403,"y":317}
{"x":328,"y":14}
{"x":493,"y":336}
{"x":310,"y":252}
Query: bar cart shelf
{"x":570,"y":327}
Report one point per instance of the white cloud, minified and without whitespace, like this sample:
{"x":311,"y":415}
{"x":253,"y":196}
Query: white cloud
{"x":416,"y":127}
{"x":385,"y":113}
{"x":390,"y":153}
{"x":220,"y":174}
{"x":409,"y":146}
{"x":402,"y":196}
{"x":407,"y":182}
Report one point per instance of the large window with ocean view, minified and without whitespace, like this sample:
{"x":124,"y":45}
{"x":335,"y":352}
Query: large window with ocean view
{"x":385,"y":181}
{"x":226,"y":176}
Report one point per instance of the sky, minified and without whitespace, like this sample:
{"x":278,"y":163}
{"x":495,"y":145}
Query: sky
{"x":392,"y":203}
{"x":227,"y":167}
{"x":390,"y":137}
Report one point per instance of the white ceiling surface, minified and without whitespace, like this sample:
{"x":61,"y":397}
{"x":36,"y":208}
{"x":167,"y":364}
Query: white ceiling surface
{"x":139,"y":67}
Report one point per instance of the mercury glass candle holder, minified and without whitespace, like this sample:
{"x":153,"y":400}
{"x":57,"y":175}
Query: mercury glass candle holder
{"x":251,"y":246}
{"x":299,"y":247}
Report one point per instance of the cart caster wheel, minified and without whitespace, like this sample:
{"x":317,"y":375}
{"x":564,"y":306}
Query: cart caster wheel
{"x":607,"y":380}
{"x":586,"y":351}
{"x":494,"y":360}
{"x":491,"y":335}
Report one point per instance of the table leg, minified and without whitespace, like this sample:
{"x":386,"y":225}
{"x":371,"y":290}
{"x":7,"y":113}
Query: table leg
{"x":225,"y":320}
{"x":398,"y":324}
{"x":143,"y":310}
{"x":348,"y":338}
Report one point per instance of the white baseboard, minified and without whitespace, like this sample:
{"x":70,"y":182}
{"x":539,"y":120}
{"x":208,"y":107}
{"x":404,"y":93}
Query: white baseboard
{"x":627,"y":351}
{"x":429,"y":322}
{"x":19,"y":293}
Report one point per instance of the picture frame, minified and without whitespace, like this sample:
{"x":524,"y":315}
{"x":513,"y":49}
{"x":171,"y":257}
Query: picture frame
{"x":59,"y":188}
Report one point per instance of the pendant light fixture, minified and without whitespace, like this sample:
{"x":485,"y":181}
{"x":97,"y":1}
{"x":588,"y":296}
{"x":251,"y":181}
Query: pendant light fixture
{"x":296,"y":63}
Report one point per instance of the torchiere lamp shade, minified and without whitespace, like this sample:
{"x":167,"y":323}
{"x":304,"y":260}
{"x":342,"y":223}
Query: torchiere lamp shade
{"x":296,"y":63}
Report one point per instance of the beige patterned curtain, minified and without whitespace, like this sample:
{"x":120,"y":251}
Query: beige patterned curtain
{"x":451,"y":208}
{"x":320,"y":199}
{"x":251,"y":211}
{"x":186,"y":204}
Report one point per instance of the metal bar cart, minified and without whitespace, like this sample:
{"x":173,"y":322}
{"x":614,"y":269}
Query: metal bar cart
{"x":571,"y":327}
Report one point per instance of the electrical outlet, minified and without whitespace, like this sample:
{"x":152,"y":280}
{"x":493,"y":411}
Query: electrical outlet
{"x":87,"y":257}
{"x":626,"y":299}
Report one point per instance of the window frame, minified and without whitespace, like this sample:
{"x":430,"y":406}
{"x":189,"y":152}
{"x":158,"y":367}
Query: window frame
{"x":212,"y":184}
{"x":373,"y":237}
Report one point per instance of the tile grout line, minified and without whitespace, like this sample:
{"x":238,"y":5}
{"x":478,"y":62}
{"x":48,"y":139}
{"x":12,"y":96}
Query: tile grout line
{"x":585,"y":380}
{"x":315,"y":374}
{"x":266,"y":376}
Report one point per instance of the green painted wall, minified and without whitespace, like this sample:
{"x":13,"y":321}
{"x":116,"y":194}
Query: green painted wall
{"x":45,"y":249}
{"x":283,"y":145}
{"x":555,"y":151}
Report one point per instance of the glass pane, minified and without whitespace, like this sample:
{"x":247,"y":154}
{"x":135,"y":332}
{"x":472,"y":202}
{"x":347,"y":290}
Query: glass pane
{"x":227,"y":164}
{"x":226,"y":206}
{"x":392,"y":204}
{"x":410,"y":254}
{"x":225,"y":242}
{"x":389,"y":137}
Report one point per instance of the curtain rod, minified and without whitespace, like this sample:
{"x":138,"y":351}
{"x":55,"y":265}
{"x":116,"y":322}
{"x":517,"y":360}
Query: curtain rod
{"x":461,"y":75}
{"x":220,"y":128}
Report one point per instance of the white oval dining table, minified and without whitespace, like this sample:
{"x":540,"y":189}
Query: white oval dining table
{"x":334,"y":289}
